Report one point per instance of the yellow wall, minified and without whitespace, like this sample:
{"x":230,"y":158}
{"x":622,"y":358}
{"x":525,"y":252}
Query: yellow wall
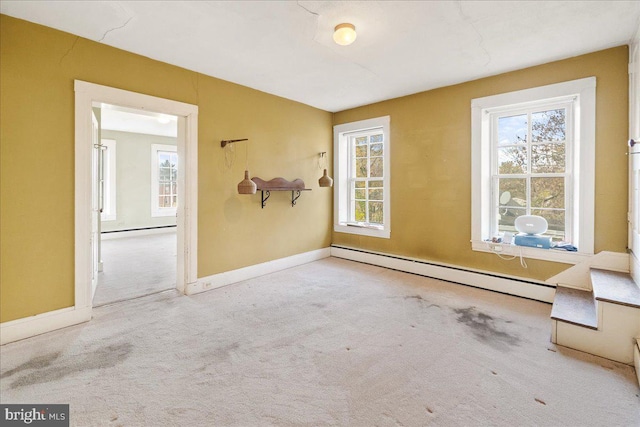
{"x":431,"y":164}
{"x":38,"y":66}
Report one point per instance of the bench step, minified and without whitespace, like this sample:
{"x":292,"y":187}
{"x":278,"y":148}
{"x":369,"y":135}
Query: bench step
{"x":575,"y":306}
{"x":615,"y":287}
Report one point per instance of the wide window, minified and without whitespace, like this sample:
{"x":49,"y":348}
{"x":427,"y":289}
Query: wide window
{"x":164,"y":180}
{"x":533,"y":154}
{"x":362,"y":177}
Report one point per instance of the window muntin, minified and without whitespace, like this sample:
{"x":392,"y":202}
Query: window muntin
{"x":531,"y":165}
{"x":362,"y":177}
{"x":582,"y":93}
{"x":167,"y":179}
{"x":164,"y":180}
{"x":366,"y":177}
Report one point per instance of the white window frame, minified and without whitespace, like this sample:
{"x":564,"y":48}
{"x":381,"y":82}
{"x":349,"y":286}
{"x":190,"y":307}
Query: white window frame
{"x":568,"y":104}
{"x":156,"y":210}
{"x":342,"y":165}
{"x":582,"y":174}
{"x":108,"y":180}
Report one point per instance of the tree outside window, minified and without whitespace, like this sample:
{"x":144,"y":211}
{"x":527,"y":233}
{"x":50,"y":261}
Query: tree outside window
{"x":367,"y":177}
{"x":531,"y":165}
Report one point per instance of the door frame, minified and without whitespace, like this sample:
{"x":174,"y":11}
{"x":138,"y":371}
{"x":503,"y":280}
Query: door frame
{"x":86,"y":94}
{"x":633,"y":215}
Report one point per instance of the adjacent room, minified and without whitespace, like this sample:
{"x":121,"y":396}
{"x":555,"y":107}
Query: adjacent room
{"x":137,"y":199}
{"x":320,"y":213}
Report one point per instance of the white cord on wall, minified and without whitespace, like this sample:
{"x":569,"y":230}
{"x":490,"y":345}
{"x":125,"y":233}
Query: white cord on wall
{"x":492,"y":247}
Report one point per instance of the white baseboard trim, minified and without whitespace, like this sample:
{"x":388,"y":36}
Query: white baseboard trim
{"x":135,"y":233}
{"x":27,"y":327}
{"x":234,"y":276}
{"x":528,"y":288}
{"x":634,"y":268}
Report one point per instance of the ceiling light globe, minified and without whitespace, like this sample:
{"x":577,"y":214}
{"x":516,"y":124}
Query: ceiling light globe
{"x":344,"y":34}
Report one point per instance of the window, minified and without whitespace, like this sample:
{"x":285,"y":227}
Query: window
{"x":164,"y":180}
{"x":533,"y":154}
{"x":108,"y":180}
{"x":362,"y":177}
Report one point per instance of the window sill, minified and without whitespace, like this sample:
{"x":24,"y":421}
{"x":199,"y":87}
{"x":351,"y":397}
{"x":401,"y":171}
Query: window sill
{"x":553,"y":255}
{"x":164,"y":213}
{"x":362,"y":230}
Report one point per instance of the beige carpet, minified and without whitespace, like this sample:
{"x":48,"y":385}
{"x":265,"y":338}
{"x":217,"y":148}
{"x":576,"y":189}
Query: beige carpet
{"x":136,"y":266}
{"x":328,"y":343}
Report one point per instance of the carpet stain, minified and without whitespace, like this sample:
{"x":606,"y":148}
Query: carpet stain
{"x":421,"y":300}
{"x":102,"y":358}
{"x":484,"y":327}
{"x":221,"y":354}
{"x":540,"y":401}
{"x":38,"y":362}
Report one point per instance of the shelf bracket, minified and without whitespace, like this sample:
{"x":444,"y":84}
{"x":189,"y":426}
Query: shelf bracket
{"x":295,"y":195}
{"x":264,"y":199}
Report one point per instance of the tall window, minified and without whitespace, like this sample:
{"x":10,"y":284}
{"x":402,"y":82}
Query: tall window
{"x":366,"y":180}
{"x":362,"y":177}
{"x":164,"y":180}
{"x":533,"y":153}
{"x":532,"y":158}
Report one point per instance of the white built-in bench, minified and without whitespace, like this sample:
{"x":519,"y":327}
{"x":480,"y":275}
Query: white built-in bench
{"x":604,"y":321}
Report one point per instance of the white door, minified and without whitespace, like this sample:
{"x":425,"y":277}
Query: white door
{"x":95,"y":203}
{"x":634,"y":154}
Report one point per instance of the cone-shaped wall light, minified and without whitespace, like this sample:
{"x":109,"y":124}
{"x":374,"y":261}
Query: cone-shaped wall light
{"x":325,"y":180}
{"x":246,"y":186}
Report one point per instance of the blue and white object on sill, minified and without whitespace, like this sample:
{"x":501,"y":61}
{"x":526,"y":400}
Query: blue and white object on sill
{"x":542,"y":242}
{"x":531,"y":227}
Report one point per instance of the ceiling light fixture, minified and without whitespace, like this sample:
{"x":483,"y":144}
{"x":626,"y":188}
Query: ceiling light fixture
{"x":344,"y":34}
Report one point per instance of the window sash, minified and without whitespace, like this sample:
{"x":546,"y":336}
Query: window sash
{"x":164,"y":180}
{"x":566,"y":104}
{"x":353,"y":178}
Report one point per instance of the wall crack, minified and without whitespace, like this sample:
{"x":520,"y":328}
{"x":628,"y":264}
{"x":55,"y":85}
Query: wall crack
{"x":115,"y":28}
{"x":70,"y":49}
{"x":475,"y":30}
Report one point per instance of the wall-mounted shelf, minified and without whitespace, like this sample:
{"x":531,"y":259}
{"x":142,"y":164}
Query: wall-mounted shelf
{"x":280,"y":184}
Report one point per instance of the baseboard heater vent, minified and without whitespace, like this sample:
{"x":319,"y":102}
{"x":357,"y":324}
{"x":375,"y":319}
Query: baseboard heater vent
{"x":529,"y":289}
{"x":138,"y":229}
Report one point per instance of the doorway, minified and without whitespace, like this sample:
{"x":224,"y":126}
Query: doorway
{"x":87,"y":200}
{"x":137,"y":197}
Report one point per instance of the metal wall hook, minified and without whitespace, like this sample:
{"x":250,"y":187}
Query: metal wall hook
{"x":224,"y":142}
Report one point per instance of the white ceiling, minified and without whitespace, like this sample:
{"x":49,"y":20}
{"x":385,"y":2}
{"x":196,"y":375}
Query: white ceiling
{"x":286,"y":47}
{"x":113,"y":117}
